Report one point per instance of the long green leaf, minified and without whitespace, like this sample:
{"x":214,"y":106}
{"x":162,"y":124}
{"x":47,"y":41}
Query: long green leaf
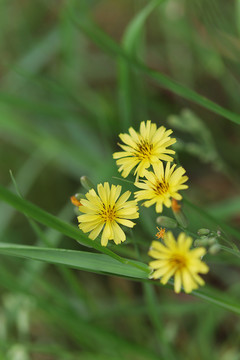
{"x":81,"y":260}
{"x":103,"y":264}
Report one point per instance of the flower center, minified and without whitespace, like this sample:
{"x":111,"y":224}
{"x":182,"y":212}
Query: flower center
{"x":144,"y":150}
{"x":178,"y":260}
{"x":108,"y":213}
{"x":161,"y":187}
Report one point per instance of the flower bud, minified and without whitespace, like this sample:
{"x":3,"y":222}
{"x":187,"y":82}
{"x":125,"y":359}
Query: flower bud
{"x":203,"y":232}
{"x":181,"y":218}
{"x":79,"y":196}
{"x":77,"y":211}
{"x":166,"y":222}
{"x":201,"y":242}
{"x":86,"y":183}
{"x":212,"y":240}
{"x":214,"y":249}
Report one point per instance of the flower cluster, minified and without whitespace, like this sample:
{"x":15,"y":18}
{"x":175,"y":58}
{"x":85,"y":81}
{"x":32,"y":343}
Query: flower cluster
{"x":105,"y":209}
{"x":148,"y":148}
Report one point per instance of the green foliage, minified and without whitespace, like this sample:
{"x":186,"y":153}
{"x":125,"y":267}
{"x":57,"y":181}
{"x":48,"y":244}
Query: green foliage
{"x":73,"y":76}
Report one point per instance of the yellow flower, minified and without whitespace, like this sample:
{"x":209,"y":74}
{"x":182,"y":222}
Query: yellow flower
{"x":143,"y":149}
{"x":105,"y":211}
{"x":175,"y":258}
{"x":160,"y":186}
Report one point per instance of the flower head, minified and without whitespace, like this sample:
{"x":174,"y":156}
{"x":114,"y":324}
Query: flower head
{"x":160,"y":186}
{"x":105,"y":211}
{"x":144,"y":148}
{"x":175,"y":258}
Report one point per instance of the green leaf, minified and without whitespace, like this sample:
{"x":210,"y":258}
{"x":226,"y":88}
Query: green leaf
{"x":81,"y":260}
{"x":103,"y":264}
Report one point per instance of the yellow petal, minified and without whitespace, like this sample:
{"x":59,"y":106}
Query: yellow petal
{"x":177,"y":281}
{"x":126,"y":222}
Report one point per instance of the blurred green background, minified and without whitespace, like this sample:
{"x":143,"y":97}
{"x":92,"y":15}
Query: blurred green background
{"x":71,"y":80}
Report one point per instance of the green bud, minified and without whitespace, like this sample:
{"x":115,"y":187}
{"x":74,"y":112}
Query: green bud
{"x":201,"y":242}
{"x":86,"y":183}
{"x":203,"y":232}
{"x":166,"y":222}
{"x":79,"y":196}
{"x":212,"y":240}
{"x":181,"y":218}
{"x":214,"y":249}
{"x":76,"y":211}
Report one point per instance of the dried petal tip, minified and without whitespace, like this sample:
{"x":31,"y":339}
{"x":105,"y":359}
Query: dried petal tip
{"x":161,"y":232}
{"x":176,"y":207}
{"x":75,"y":201}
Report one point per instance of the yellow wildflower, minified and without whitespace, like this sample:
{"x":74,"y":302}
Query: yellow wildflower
{"x":175,"y":258}
{"x":160,"y":186}
{"x":144,"y":148}
{"x":105,"y":211}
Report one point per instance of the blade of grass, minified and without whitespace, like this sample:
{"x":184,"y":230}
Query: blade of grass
{"x":130,"y":43}
{"x":34,"y":59}
{"x":104,"y":264}
{"x":32,"y":167}
{"x":105,"y":42}
{"x":80,"y":260}
{"x":67,"y":274}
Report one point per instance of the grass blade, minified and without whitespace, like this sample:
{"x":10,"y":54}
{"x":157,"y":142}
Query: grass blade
{"x":80,"y":260}
{"x":105,"y":42}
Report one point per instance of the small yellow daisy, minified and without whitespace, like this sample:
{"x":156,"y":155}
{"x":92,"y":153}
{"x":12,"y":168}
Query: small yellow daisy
{"x":160,"y":186}
{"x":105,"y":211}
{"x":143,"y":149}
{"x":175,"y":258}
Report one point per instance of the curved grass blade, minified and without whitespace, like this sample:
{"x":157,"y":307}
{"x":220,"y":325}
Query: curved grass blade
{"x":81,"y":260}
{"x":103,"y":264}
{"x":105,"y":42}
